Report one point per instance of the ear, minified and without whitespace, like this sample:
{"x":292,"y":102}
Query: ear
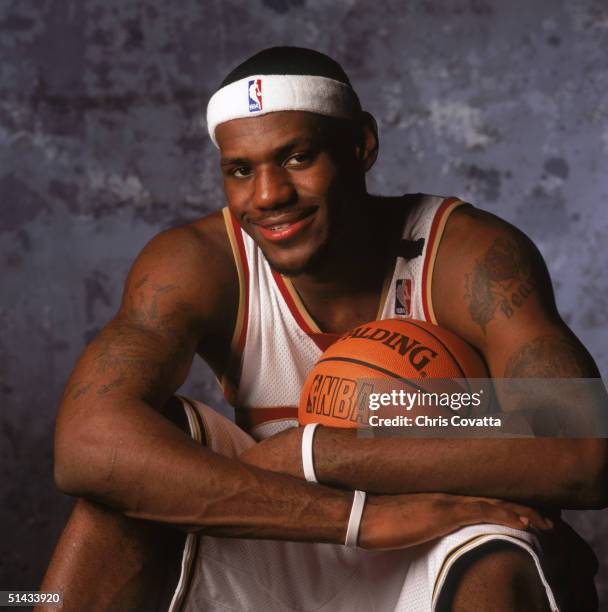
{"x":367,"y":146}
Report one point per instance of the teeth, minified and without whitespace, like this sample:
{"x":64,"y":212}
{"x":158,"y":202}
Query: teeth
{"x":274,"y":228}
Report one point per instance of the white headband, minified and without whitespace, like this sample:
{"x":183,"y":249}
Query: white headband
{"x":269,"y":93}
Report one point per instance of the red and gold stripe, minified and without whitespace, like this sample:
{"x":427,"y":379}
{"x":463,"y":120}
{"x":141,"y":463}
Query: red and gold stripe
{"x":249,"y":417}
{"x":434,"y":239}
{"x":229,"y":380}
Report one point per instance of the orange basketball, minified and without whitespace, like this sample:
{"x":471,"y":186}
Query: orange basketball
{"x":408,"y":359}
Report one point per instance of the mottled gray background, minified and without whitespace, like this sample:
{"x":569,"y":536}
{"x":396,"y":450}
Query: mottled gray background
{"x":101,"y":146}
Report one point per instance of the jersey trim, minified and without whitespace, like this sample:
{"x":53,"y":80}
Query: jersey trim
{"x":435,"y":235}
{"x":485,"y":538}
{"x":230,"y":378}
{"x":289,"y":292}
{"x":248,"y":417}
{"x":199,"y":433}
{"x":302,"y":316}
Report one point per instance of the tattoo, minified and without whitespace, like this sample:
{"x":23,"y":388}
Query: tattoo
{"x":130,"y":352}
{"x":142,"y":281}
{"x":79,"y":389}
{"x":501,"y":281}
{"x":145,"y":348}
{"x":548,"y":357}
{"x":117,"y":382}
{"x":143,"y":307}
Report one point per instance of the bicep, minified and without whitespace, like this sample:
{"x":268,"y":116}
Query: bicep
{"x":507,"y":311}
{"x":145,"y":352}
{"x":506,"y":307}
{"x":132,"y":360}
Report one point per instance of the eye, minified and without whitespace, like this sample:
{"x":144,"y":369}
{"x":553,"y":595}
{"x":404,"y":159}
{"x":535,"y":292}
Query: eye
{"x":299,"y":159}
{"x":241,"y":172}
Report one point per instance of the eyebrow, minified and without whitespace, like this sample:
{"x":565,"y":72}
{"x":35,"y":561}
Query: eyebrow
{"x":278,"y":152}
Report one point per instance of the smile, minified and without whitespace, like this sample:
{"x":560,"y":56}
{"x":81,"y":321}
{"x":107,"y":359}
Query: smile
{"x":282,"y":230}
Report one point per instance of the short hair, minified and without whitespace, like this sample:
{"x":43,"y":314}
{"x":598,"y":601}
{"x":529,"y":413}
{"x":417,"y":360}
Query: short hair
{"x":283,"y":79}
{"x":288,"y":60}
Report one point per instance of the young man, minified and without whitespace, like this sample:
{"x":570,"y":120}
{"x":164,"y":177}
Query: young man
{"x":301,"y":254}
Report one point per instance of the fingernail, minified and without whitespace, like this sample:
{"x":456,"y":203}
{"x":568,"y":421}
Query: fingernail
{"x":525,"y":520}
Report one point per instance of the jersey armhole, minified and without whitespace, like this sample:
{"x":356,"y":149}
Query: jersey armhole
{"x":229,"y":379}
{"x":447,"y":207}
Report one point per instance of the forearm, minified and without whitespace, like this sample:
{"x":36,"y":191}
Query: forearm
{"x":131,"y":458}
{"x":539,"y":471}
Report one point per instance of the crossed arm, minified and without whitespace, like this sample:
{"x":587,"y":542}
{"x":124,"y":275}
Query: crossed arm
{"x":114,"y":446}
{"x":505,"y":308}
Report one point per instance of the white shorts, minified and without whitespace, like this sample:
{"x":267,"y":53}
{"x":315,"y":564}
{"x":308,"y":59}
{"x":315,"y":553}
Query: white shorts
{"x":236,"y":575}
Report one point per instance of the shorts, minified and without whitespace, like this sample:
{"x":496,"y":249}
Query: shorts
{"x":231,"y":574}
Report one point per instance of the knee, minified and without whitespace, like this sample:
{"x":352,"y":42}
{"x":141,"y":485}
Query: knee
{"x":499,"y":574}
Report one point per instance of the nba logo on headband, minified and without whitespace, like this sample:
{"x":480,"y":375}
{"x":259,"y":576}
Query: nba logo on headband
{"x":255,"y":95}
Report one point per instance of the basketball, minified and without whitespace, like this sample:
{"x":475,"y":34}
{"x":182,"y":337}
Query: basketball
{"x":407,"y":359}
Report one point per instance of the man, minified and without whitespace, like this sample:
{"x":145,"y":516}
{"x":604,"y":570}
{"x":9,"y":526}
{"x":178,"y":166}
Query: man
{"x":301,"y":254}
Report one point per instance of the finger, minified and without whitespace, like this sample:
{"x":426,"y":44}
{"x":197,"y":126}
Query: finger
{"x":527,"y":516}
{"x":481,"y":511}
{"x":530,"y":515}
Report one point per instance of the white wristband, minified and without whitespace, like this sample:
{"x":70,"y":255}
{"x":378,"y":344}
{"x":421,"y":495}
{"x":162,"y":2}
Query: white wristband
{"x":354,"y":520}
{"x":307,"y":461}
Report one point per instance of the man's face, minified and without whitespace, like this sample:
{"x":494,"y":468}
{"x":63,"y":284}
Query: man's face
{"x":287,"y":184}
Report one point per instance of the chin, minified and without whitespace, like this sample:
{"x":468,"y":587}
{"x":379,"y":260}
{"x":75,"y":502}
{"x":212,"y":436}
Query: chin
{"x":301,"y":265}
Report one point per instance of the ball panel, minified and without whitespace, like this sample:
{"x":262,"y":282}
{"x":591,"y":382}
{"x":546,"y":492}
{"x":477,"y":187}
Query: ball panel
{"x":386,"y":356}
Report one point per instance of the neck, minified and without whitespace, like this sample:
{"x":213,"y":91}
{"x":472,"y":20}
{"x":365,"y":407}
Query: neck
{"x":353,"y":269}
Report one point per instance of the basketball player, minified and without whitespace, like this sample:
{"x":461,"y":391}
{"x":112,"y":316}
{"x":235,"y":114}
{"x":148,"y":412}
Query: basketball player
{"x":303,"y":253}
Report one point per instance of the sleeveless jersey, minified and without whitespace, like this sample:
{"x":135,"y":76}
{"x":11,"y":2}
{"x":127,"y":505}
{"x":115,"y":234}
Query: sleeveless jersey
{"x":276,"y":342}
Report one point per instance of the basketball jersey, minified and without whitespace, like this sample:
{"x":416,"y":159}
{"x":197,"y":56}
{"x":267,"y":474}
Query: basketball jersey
{"x":276,"y":342}
{"x":274,"y":346}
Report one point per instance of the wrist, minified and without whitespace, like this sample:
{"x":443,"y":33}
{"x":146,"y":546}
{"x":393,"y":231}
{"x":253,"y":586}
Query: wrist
{"x":308,"y":464}
{"x":354,"y":519}
{"x":369,"y":520}
{"x":337,"y":457}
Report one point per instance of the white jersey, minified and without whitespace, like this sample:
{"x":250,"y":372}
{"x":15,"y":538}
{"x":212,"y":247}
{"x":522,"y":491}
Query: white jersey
{"x":276,"y":342}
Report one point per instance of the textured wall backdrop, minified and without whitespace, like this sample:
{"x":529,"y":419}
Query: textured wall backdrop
{"x":101,"y":146}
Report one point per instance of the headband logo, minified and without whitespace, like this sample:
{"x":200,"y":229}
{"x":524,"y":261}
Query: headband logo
{"x":255,"y":95}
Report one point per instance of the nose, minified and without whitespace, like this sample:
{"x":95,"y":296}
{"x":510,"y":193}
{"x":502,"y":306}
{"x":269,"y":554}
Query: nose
{"x":272,"y":188}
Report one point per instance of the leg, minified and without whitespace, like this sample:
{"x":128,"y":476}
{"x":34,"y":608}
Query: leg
{"x":107,"y":561}
{"x":498,"y":576}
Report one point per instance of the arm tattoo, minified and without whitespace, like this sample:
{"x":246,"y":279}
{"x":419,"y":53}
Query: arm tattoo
{"x":501,"y":281}
{"x":548,"y":357}
{"x":145,"y":347}
{"x":78,"y":389}
{"x":143,"y":307}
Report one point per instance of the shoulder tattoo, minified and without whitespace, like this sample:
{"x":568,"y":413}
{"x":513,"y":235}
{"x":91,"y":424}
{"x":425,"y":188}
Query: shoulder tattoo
{"x":500,"y":282}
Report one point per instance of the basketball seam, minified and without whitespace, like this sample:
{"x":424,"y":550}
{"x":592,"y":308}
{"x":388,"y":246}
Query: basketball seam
{"x":373,"y":367}
{"x":464,"y":376}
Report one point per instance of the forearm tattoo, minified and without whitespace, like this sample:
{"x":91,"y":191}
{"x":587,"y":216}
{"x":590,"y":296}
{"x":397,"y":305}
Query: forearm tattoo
{"x":500,"y":283}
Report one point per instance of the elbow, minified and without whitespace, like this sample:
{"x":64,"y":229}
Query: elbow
{"x":65,"y":476}
{"x":590,"y":470}
{"x":76,"y":464}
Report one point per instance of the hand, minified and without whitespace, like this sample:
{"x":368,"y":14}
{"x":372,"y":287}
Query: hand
{"x":401,"y":521}
{"x":280,"y":453}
